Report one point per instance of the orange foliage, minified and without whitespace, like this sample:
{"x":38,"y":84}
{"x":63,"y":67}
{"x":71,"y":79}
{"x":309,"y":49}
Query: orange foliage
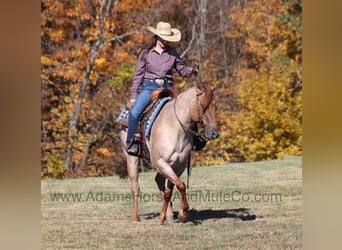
{"x":258,"y":84}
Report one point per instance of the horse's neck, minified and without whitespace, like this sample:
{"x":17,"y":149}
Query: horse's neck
{"x":183,"y":106}
{"x":179,"y":109}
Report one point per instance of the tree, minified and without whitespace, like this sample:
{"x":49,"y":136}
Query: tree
{"x":250,"y":50}
{"x":79,"y":41}
{"x":268,"y":124}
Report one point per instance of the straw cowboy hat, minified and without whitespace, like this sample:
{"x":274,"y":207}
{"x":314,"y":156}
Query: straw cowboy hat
{"x":165,"y":32}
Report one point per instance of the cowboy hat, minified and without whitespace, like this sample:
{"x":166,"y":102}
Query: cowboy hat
{"x":165,"y":32}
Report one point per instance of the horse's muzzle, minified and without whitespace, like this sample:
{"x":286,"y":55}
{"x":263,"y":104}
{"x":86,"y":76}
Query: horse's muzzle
{"x":211,"y":133}
{"x":215,"y":135}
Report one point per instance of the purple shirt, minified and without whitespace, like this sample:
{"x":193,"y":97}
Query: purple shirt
{"x":157,"y":66}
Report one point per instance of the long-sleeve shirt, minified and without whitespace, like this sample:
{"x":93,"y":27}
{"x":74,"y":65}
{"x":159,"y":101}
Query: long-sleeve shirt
{"x":156,"y":65}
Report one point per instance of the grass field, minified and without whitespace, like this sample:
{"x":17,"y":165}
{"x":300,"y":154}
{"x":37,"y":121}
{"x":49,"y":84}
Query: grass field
{"x":237,"y":206}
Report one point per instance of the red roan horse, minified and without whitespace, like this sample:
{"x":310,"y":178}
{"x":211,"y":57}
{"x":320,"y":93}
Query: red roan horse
{"x":170,"y":145}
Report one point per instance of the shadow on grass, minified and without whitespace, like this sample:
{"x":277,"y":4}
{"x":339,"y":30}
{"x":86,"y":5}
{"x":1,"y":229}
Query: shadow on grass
{"x":198,"y":216}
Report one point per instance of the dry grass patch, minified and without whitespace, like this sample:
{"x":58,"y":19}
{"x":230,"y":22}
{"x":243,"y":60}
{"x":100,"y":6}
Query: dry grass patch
{"x":101,"y":217}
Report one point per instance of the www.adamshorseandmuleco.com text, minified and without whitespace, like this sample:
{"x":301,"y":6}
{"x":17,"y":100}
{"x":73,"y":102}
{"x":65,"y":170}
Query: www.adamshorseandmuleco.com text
{"x":193,"y":196}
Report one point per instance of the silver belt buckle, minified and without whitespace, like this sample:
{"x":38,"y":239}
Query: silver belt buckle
{"x":159,"y":81}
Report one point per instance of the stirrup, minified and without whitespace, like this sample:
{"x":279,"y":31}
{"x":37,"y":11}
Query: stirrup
{"x":133,"y":150}
{"x":133,"y":147}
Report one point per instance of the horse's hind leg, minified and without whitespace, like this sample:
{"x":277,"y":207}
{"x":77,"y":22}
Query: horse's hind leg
{"x":167,"y":212}
{"x":133,"y":173}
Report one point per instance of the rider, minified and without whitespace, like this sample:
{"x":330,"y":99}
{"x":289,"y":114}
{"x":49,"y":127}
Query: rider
{"x":154,"y":70}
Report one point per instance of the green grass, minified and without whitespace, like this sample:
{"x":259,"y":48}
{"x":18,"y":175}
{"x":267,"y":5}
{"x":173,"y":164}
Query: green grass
{"x":223,"y":211}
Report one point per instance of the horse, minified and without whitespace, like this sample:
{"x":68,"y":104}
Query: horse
{"x":170,"y":145}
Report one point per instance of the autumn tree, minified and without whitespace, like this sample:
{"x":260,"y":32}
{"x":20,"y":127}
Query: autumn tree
{"x":268,"y":122}
{"x":250,"y":50}
{"x":80,"y":53}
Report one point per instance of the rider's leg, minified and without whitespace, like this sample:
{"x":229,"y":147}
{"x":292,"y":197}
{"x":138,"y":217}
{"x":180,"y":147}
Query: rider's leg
{"x":143,"y":99}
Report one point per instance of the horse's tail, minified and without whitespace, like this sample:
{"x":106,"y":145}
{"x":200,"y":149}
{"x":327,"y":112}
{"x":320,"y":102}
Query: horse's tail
{"x":121,"y":170}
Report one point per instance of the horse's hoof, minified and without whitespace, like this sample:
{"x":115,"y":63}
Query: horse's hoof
{"x":162,"y":219}
{"x":136,"y":218}
{"x":170,"y":218}
{"x":182,"y":219}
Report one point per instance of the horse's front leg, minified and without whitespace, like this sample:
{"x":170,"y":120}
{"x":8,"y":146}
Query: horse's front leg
{"x":132,"y":169}
{"x":169,"y":173}
{"x":169,"y":211}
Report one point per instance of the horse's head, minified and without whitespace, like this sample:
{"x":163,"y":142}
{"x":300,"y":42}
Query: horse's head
{"x":206,"y":111}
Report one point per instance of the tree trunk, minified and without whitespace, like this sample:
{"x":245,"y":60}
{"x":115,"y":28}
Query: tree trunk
{"x":223,"y":37}
{"x":202,"y":42}
{"x":75,"y":117}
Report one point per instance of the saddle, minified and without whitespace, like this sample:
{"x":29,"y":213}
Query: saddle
{"x":159,"y":98}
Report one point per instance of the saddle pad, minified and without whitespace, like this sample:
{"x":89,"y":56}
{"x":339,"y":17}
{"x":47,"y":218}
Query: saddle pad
{"x":123,"y":115}
{"x":149,"y":122}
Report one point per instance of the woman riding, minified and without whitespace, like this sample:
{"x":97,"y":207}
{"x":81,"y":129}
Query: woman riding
{"x":154,"y":67}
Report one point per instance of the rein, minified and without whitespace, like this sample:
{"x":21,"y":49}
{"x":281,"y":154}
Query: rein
{"x":189,"y":165}
{"x":186,"y":129}
{"x":199,"y":115}
{"x":198,"y":106}
{"x":182,"y":125}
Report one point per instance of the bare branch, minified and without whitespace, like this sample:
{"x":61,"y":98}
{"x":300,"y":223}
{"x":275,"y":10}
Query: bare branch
{"x":192,"y":39}
{"x":114,"y":38}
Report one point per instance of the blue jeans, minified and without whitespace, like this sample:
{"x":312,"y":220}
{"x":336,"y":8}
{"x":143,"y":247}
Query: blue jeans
{"x":141,"y":102}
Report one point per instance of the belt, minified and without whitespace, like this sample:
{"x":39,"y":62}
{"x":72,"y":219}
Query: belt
{"x":160,"y":81}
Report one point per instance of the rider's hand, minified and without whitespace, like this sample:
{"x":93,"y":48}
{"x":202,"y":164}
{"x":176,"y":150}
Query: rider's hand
{"x":130,"y":103}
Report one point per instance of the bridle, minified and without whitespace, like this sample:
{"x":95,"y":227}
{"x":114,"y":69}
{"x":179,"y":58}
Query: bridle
{"x":198,"y":105}
{"x":206,"y":105}
{"x":200,"y":120}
